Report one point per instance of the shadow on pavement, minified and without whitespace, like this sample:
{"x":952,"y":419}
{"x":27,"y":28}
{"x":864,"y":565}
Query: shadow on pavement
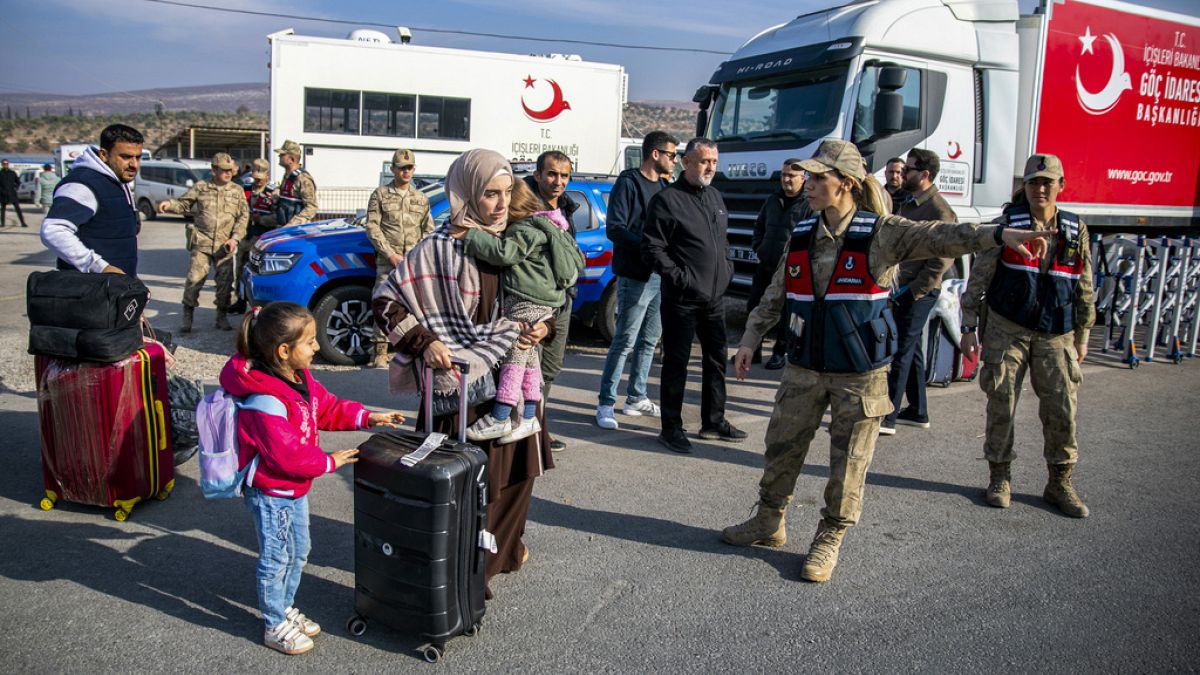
{"x":657,"y":532}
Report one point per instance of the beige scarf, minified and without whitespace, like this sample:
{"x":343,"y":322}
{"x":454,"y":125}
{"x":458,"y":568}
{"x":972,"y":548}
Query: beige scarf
{"x":465,"y":183}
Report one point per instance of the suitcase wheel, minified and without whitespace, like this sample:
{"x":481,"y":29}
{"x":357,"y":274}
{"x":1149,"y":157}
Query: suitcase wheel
{"x":433,"y":653}
{"x":166,"y":491}
{"x":472,"y":631}
{"x":46,"y":504}
{"x":356,"y":625}
{"x":121,"y":515}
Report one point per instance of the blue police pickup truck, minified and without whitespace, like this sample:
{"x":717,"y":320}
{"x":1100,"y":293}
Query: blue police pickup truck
{"x":329,"y":267}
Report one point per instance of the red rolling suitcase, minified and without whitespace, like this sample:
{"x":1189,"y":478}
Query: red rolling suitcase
{"x":106,"y":430}
{"x":969,"y":367}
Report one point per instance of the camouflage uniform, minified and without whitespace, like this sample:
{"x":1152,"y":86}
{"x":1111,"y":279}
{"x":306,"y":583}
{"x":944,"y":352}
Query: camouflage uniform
{"x":858,"y":400}
{"x":397,"y":218}
{"x":221,"y":214}
{"x":1009,"y":349}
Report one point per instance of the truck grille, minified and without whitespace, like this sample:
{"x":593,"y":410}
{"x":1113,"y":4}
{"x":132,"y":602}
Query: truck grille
{"x":743,"y":200}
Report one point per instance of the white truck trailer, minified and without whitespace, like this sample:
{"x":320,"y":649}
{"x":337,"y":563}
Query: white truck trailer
{"x":351,"y":102}
{"x":1111,"y":88}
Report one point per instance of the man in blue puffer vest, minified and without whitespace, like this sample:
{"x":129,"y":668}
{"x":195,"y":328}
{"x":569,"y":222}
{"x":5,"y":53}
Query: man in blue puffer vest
{"x":92,"y":225}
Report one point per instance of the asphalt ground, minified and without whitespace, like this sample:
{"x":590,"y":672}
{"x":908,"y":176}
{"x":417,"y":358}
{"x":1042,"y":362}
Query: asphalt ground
{"x":627,"y":571}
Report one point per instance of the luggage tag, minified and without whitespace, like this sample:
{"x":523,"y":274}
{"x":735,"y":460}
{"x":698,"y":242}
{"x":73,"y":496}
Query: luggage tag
{"x":432,"y":442}
{"x":487,"y":541}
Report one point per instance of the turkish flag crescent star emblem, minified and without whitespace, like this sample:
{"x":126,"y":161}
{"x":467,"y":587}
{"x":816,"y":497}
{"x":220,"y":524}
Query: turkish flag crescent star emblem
{"x":556,"y":107}
{"x":1100,"y":102}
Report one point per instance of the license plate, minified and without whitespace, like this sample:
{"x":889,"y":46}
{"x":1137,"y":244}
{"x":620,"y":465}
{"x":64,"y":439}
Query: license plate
{"x":742,"y":254}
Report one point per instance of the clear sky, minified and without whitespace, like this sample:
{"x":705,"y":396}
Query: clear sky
{"x":97,"y":46}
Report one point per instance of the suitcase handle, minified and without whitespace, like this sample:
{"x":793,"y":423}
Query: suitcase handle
{"x":160,"y":418}
{"x":463,"y":368}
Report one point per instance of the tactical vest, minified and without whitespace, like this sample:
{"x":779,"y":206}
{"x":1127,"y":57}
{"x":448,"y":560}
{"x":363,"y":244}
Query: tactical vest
{"x":1039,"y":301}
{"x":260,"y":204}
{"x":849,"y":329}
{"x":112,"y":231}
{"x":289,"y":202}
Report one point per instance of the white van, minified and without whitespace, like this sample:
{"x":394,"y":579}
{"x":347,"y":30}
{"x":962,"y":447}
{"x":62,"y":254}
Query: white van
{"x":160,"y":179}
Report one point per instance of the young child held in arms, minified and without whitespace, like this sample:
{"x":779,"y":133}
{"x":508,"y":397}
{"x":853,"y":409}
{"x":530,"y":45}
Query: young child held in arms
{"x":274,"y":349}
{"x":542,"y":261}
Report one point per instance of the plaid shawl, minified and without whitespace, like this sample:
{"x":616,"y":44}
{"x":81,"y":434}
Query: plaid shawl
{"x":439,"y":288}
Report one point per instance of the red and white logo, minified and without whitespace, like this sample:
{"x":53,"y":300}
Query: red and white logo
{"x":552,"y":110}
{"x":953,"y":150}
{"x":1100,"y":102}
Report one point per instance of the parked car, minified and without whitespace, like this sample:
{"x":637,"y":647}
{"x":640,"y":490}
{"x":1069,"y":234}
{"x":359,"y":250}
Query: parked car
{"x":329,"y":267}
{"x":160,"y":179}
{"x":27,"y":190}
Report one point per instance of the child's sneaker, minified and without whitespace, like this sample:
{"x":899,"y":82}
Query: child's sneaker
{"x":487,"y":427}
{"x":525,"y":429}
{"x":311,"y":628}
{"x":288,"y":638}
{"x":606,"y":418}
{"x":642,"y":407}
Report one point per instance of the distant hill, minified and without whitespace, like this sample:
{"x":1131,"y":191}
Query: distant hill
{"x":37,"y":123}
{"x":253,"y":97}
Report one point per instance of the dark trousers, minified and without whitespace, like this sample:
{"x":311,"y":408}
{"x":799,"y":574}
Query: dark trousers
{"x":907,"y":375}
{"x":681,"y":322}
{"x":554,"y":350}
{"x":16,"y":204}
{"x":758,"y":285}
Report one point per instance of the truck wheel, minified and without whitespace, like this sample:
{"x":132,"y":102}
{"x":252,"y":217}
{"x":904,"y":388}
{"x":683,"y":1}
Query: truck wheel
{"x":147,"y":210}
{"x":606,"y":313}
{"x":344,"y":325}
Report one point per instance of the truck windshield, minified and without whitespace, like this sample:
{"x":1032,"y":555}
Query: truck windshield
{"x":796,"y":109}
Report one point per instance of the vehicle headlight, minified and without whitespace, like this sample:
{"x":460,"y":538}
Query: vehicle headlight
{"x":277,"y":263}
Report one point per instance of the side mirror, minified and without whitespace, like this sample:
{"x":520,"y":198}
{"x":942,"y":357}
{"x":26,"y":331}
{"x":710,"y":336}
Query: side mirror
{"x":889,"y":113}
{"x":701,"y":122}
{"x":189,"y":183}
{"x":892,"y":78}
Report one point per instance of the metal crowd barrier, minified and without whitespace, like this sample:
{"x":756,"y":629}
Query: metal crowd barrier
{"x":1153,"y":283}
{"x":338,"y":202}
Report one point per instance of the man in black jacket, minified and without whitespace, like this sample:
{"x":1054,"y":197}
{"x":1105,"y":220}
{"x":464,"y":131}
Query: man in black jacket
{"x":639,"y":323}
{"x":9,"y":183}
{"x":772,"y":231}
{"x":549,"y":182}
{"x":685,"y":242}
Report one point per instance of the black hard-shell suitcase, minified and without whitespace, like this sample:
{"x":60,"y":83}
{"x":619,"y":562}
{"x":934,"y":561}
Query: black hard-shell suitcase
{"x":420,"y":535}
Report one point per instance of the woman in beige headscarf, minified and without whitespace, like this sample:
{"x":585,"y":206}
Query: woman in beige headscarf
{"x":439,"y":304}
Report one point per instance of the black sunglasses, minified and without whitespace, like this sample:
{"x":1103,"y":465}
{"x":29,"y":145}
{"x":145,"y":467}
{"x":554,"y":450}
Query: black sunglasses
{"x":670,"y":155}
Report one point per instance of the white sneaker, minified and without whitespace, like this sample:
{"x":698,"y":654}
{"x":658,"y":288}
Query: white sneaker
{"x":308,"y":626}
{"x":288,"y":638}
{"x":525,"y":429}
{"x":606,"y":417}
{"x":642,"y":407}
{"x":487,"y":427}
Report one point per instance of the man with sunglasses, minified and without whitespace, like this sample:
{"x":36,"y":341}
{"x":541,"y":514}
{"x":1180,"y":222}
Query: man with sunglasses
{"x":639,"y":324}
{"x":221,"y":218}
{"x":918,"y":284}
{"x":397,"y":218}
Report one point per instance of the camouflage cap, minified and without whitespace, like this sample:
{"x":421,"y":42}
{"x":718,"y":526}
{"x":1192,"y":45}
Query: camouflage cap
{"x":404,"y":158}
{"x":259,"y":168}
{"x":1043,"y":166}
{"x":222,"y":160}
{"x":289,"y":148}
{"x":837,"y":154}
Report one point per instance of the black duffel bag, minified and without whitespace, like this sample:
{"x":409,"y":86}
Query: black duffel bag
{"x":91,"y":317}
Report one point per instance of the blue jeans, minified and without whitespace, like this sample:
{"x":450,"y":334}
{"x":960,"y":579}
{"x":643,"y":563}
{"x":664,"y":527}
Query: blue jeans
{"x":639,"y":325}
{"x":283,"y":546}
